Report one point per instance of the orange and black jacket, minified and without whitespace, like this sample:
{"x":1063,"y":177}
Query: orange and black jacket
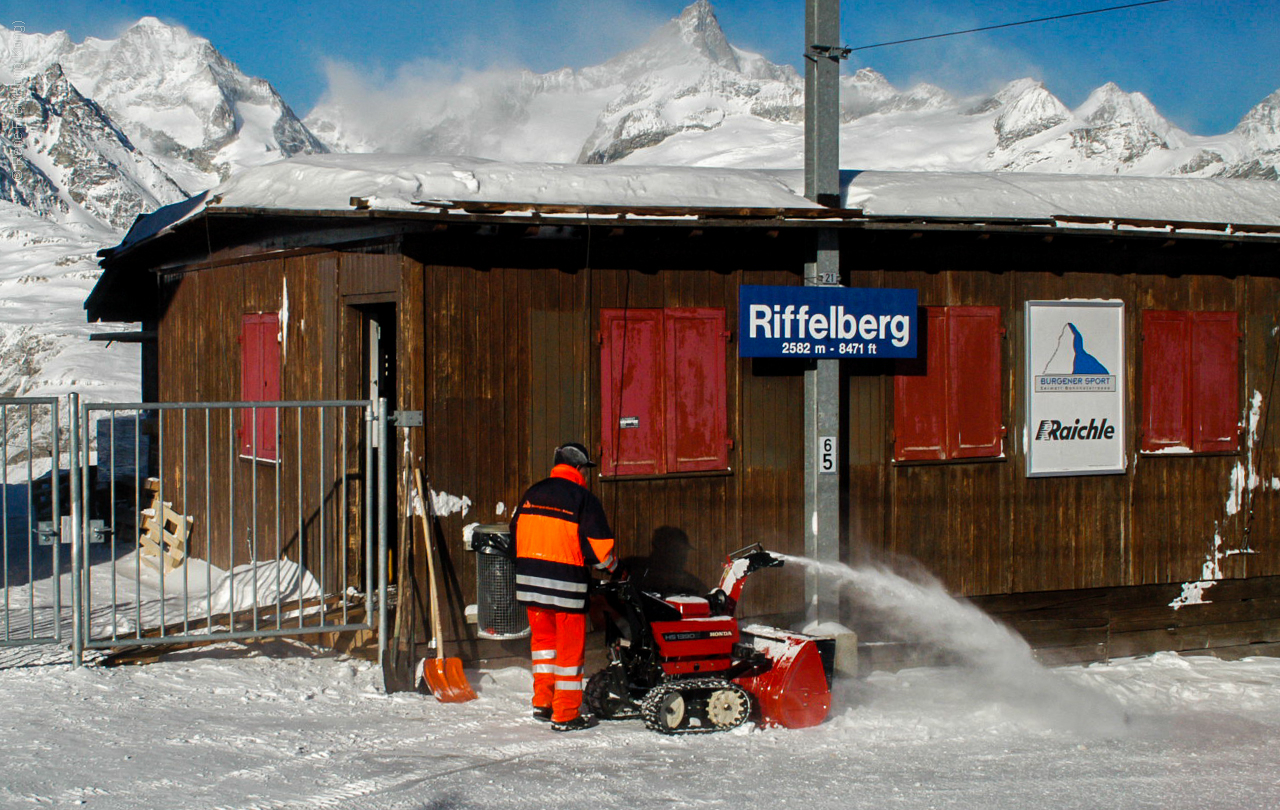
{"x":561,"y":533}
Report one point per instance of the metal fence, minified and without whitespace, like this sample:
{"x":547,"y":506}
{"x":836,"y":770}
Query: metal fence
{"x":31,"y":482}
{"x":194,"y":522}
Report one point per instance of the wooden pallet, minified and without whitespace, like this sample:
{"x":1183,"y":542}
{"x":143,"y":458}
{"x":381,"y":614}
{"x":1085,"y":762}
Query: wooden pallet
{"x":164,"y":536}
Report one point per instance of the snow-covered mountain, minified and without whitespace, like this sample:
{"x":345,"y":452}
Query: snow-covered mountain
{"x":91,"y":135}
{"x":105,"y":129}
{"x":686,"y":79}
{"x":132,"y":123}
{"x":63,"y":157}
{"x":1260,"y":130}
{"x":96,"y":132}
{"x":689,"y":97}
{"x":46,"y":271}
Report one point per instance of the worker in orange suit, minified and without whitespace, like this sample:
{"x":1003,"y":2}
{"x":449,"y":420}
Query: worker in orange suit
{"x":561,"y":534}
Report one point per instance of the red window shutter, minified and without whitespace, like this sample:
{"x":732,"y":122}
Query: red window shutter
{"x":920,"y":400}
{"x":259,"y":382}
{"x":696,"y":402}
{"x":631,"y":423}
{"x":1215,"y":389}
{"x":1166,"y":358}
{"x":974,"y":361}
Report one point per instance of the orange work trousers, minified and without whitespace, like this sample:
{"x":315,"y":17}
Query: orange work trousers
{"x":558,"y":640}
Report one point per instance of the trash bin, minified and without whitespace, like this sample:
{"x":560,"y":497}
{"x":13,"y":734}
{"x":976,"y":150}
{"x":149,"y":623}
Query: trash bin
{"x":498,"y":616}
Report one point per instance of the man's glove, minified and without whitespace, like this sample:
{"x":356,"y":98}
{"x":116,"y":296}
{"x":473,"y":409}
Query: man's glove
{"x":620,"y":573}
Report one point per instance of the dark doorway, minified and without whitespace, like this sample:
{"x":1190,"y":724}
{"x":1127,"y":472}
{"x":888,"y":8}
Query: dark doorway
{"x":379,"y":328}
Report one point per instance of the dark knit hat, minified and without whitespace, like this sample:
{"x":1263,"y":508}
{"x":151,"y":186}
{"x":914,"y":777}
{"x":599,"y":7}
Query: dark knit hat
{"x":573,"y":454}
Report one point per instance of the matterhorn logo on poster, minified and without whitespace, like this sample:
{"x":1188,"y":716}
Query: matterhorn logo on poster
{"x":1072,"y":368}
{"x":1075,"y":423}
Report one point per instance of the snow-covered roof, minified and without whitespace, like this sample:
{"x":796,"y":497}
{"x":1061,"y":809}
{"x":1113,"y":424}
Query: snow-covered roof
{"x":404,"y":183}
{"x":996,"y":195}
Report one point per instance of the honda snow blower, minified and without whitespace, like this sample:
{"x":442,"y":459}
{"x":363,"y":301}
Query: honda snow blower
{"x":682,"y":665}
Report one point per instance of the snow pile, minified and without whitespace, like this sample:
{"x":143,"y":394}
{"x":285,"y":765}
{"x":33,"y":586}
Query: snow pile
{"x":211,"y":591}
{"x":266,"y":582}
{"x":130,"y":593}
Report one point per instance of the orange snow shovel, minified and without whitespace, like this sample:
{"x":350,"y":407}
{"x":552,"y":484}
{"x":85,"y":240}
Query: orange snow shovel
{"x":444,"y":676}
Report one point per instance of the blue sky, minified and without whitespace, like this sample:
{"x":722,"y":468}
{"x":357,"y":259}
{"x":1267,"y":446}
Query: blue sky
{"x":1202,"y":63}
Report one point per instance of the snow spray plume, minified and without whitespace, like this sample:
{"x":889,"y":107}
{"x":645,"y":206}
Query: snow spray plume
{"x":1000,"y":660}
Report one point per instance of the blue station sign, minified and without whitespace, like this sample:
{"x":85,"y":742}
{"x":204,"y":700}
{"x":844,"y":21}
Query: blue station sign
{"x":826,"y":322}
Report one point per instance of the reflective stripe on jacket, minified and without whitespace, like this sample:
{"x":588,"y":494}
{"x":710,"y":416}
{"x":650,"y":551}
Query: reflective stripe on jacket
{"x":560,"y":532}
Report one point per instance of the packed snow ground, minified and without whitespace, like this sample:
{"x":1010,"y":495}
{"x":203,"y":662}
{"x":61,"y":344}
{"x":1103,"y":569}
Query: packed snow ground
{"x":283,"y":726}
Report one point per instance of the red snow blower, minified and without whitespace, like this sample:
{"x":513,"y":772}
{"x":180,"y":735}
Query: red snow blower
{"x":682,"y":664}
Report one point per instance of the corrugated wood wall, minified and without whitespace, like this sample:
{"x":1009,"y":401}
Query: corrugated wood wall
{"x":985,"y":528}
{"x":499,"y":350}
{"x":512,"y":371}
{"x":199,"y":358}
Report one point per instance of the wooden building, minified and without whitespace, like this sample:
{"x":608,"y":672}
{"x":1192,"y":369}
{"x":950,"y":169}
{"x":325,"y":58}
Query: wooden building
{"x":506,"y":302}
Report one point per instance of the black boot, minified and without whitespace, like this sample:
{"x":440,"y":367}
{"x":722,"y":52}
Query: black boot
{"x":580,"y":722}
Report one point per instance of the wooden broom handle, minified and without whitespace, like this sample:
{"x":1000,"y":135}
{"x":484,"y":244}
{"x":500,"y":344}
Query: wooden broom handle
{"x":431,"y":564}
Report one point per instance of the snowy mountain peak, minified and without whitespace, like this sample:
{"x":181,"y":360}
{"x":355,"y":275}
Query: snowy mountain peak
{"x":692,"y":42}
{"x":1027,"y":108}
{"x":1018,"y":89}
{"x":700,"y":30}
{"x":23,"y":55}
{"x":177,"y":99}
{"x":155,"y":24}
{"x":1260,"y":127}
{"x":867,"y":92}
{"x":870,"y":80}
{"x":691,"y":39}
{"x":63,"y":157}
{"x":1111,"y":105}
{"x":1126,"y":124}
{"x":863,"y":93}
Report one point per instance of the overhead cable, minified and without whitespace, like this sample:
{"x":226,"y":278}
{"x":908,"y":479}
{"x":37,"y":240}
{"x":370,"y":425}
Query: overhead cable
{"x":1010,"y":25}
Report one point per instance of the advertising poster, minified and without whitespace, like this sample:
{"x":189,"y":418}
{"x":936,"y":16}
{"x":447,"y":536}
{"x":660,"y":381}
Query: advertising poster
{"x":1075,"y":388}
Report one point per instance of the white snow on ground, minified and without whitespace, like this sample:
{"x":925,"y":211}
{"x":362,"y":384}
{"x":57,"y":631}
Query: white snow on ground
{"x":282,"y":725}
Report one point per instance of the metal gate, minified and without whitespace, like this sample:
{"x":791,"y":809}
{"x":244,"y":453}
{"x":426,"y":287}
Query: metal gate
{"x":193,"y":522}
{"x":32,"y":479}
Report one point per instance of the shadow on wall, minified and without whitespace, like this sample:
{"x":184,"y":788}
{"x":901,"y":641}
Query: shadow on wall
{"x":663,"y":570}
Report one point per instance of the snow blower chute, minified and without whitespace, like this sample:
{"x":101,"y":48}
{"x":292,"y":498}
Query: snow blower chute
{"x":682,"y":664}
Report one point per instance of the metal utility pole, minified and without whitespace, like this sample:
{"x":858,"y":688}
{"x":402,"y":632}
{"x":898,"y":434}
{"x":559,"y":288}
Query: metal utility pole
{"x":822,"y":101}
{"x":822,"y":384}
